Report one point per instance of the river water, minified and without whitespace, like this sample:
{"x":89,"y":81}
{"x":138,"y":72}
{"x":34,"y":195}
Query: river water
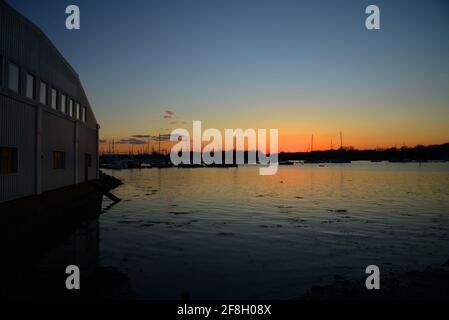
{"x":216,"y":233}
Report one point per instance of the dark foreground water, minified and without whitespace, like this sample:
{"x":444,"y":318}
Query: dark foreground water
{"x":230,"y":233}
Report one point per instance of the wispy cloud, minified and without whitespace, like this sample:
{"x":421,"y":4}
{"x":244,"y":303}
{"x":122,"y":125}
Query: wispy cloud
{"x":164,"y":137}
{"x":168,"y":114}
{"x":141,"y":136}
{"x":131,"y":141}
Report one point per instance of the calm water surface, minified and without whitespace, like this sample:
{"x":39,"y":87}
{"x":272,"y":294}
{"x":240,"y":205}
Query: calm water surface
{"x":230,"y":233}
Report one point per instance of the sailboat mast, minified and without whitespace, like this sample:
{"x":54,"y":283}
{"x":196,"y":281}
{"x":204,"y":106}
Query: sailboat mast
{"x":341,"y":141}
{"x":311,"y":145}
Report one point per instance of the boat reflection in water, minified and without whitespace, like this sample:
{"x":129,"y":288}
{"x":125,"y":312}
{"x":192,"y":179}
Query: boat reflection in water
{"x":33,"y":265}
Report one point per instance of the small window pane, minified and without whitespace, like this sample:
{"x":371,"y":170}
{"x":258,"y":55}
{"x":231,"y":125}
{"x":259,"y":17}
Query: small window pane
{"x":8,"y":160}
{"x":63,"y":103}
{"x":43,"y":95}
{"x":84,"y":114}
{"x":71,"y":107}
{"x":30,"y":88}
{"x":13,"y":77}
{"x":54,"y":99}
{"x":77,"y":111}
{"x":58,"y":160}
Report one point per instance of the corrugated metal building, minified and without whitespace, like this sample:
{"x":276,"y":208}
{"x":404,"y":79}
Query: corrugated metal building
{"x":48,"y":132}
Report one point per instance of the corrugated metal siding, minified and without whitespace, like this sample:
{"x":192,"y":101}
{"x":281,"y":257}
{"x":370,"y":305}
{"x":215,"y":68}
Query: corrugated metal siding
{"x":26,"y":45}
{"x":89,"y":146}
{"x":17,"y":128}
{"x":59,"y":135}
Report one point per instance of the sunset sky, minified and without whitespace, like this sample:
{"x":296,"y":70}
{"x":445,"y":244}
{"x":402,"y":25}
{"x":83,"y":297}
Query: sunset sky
{"x":304,"y":67}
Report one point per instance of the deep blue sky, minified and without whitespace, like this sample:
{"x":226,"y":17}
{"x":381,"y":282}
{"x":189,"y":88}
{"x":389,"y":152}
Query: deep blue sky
{"x":302,"y":66}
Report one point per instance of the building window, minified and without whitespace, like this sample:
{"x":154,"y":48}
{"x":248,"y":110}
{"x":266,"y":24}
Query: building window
{"x":63,"y":103}
{"x":13,"y":77}
{"x":58,"y":160}
{"x":84,"y":117}
{"x":77,"y":111}
{"x":81,"y":113}
{"x":54,"y":99}
{"x":71,"y":107}
{"x":8,"y":160}
{"x":43,"y":94}
{"x":30,"y":86}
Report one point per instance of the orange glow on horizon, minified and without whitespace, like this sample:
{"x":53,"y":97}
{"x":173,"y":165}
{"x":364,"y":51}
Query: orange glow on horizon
{"x":291,"y":142}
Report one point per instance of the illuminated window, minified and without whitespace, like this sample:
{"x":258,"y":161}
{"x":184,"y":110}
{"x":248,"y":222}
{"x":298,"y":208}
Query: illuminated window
{"x":8,"y":160}
{"x":58,"y":160}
